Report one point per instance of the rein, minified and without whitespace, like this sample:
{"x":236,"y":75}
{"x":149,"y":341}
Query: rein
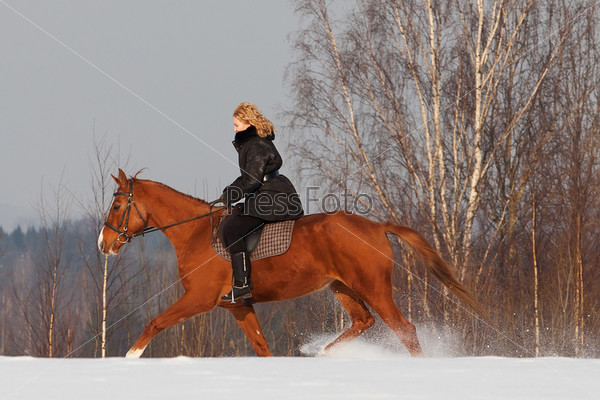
{"x":125,"y":237}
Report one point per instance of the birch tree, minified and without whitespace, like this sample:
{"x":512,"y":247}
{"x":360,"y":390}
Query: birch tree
{"x":41,"y":295}
{"x":575,"y":168}
{"x":106,"y":280}
{"x":408,"y":92}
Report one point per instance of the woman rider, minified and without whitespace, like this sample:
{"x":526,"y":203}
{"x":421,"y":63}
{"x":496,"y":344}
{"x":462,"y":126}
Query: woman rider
{"x":268,"y":196}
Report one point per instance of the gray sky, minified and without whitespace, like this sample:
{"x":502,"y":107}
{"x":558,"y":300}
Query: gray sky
{"x":194,"y":61}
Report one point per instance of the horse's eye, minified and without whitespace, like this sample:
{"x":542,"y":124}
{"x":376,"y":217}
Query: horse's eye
{"x":116,"y":207}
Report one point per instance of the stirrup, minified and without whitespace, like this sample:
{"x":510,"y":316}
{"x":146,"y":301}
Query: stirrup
{"x":242,"y":293}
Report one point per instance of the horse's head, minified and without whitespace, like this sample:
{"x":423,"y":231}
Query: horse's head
{"x":126,"y":217}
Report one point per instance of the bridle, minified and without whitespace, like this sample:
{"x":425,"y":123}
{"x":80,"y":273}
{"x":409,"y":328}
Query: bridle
{"x":125,"y":237}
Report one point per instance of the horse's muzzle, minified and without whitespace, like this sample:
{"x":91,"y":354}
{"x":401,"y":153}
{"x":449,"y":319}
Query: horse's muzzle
{"x":102,"y":246}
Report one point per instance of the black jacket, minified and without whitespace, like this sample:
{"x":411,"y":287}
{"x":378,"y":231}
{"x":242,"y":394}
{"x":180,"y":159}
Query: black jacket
{"x":273,"y":200}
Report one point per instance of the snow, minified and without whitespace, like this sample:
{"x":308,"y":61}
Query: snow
{"x":355,"y":371}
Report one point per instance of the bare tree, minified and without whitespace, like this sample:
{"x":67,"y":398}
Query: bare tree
{"x":106,"y":280}
{"x":42,"y":296}
{"x":577,"y":150}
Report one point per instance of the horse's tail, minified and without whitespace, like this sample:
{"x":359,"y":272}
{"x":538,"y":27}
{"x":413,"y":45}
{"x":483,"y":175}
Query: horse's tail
{"x":435,"y":263}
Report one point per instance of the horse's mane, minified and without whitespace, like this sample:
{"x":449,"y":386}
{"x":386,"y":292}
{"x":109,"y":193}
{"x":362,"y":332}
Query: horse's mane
{"x":203,"y":202}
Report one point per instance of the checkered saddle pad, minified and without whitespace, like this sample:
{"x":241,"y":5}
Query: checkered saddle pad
{"x":275,"y":239}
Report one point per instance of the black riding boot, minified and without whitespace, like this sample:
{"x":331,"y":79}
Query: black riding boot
{"x":242,"y":284}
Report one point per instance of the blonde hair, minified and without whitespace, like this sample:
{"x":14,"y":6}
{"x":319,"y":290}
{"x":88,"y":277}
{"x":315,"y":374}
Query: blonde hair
{"x":250,"y":114}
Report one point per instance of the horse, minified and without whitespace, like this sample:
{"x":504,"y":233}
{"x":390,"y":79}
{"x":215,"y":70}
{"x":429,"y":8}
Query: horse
{"x":347,"y":253}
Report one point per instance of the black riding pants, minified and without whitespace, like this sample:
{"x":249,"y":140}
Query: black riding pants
{"x":236,"y":227}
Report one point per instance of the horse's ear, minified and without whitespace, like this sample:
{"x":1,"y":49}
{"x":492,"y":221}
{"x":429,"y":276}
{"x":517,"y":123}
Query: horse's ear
{"x":122,"y":179}
{"x":122,"y":176}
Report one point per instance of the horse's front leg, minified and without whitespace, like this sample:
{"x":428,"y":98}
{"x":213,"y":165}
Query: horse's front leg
{"x":185,"y":307}
{"x":246,"y":318}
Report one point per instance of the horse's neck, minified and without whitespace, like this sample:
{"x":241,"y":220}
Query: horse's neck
{"x":167,"y":206}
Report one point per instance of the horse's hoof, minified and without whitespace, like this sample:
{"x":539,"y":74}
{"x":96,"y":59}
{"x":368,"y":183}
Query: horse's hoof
{"x":137,"y":353}
{"x":324,"y":351}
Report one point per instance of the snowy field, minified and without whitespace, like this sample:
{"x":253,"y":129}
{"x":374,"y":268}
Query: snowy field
{"x":357,"y":371}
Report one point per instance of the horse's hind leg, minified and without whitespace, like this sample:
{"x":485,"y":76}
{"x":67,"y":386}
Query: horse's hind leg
{"x":376,"y":290}
{"x":383,"y":304}
{"x":246,"y":318}
{"x":361,"y":317}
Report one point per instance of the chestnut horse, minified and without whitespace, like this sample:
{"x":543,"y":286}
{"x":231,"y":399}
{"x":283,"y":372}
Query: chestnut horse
{"x":347,"y":253}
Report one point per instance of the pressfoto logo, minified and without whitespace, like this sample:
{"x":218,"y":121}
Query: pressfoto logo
{"x":330,"y":203}
{"x":268,"y":204}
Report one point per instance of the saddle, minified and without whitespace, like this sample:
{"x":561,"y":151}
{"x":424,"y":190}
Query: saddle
{"x":269,"y":240}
